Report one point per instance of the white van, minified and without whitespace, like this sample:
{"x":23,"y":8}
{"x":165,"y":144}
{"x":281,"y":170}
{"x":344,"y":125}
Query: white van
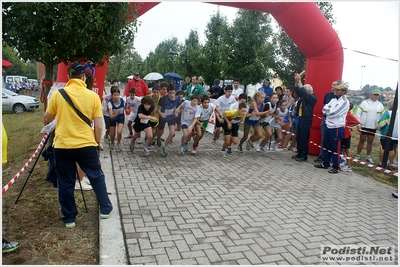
{"x":18,"y":79}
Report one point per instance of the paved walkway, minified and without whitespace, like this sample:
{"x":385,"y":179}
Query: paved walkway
{"x":245,"y":209}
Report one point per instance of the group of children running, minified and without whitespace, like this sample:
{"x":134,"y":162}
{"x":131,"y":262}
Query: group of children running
{"x":165,"y":105}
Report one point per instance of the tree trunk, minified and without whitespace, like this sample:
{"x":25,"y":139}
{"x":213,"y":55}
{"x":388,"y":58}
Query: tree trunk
{"x":48,"y":82}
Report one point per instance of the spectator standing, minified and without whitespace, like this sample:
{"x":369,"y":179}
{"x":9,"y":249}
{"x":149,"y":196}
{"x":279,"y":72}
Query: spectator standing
{"x":368,"y":113}
{"x":77,"y":144}
{"x":139,"y":84}
{"x":346,"y":142}
{"x":304,"y":111}
{"x":186,"y":84}
{"x":267,"y":89}
{"x":383,"y":126}
{"x":177,"y":84}
{"x":216,"y":90}
{"x":327,"y":98}
{"x":236,"y":90}
{"x":194,"y":88}
{"x":335,"y":111}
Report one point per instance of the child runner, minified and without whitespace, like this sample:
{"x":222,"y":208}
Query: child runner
{"x":295,"y":119}
{"x":232,"y":118}
{"x":276,"y":122}
{"x":190,"y":112}
{"x":252,"y":120}
{"x":155,"y":95}
{"x":287,"y":122}
{"x":351,"y":121}
{"x":142,"y":123}
{"x":163,"y":89}
{"x":166,"y":110}
{"x":206,"y":110}
{"x":223,"y":103}
{"x":242,"y":99}
{"x":271,"y":107}
{"x":133,"y":102}
{"x":117,"y":116}
{"x":106,"y":116}
{"x":178,"y":123}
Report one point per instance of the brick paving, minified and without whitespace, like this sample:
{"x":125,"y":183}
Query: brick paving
{"x":244,"y":209}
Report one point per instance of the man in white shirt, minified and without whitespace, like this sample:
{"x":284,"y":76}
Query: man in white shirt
{"x":335,"y":117}
{"x":223,"y":103}
{"x":236,"y":90}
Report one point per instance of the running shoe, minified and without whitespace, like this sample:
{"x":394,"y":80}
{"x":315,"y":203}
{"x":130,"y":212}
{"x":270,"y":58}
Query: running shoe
{"x":345,"y":168}
{"x":139,"y":140}
{"x":214,"y":142}
{"x":112,"y":147}
{"x":182,"y":150}
{"x":70,"y":225}
{"x":158,"y":142}
{"x":277,"y":149}
{"x":9,"y":246}
{"x":118,"y":147}
{"x":263,"y":149}
{"x":258,"y":148}
{"x":186,"y":147}
{"x":251,"y":145}
{"x":229,"y":150}
{"x":132,"y":146}
{"x":128,"y":136}
{"x":369,"y":159}
{"x":240,"y":149}
{"x":223,"y":154}
{"x":146,"y":151}
{"x":164,"y":151}
{"x":194,"y":150}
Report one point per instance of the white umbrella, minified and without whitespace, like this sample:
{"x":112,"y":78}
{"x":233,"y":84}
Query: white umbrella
{"x":153,"y":76}
{"x":130,"y":77}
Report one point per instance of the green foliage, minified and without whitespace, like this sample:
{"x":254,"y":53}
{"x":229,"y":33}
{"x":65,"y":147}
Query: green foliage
{"x":55,"y":32}
{"x":288,"y":58}
{"x":250,"y":54}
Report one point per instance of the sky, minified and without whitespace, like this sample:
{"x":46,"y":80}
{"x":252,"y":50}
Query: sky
{"x":370,"y":27}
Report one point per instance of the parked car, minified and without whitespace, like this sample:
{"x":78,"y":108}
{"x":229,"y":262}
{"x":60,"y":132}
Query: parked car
{"x":16,"y":103}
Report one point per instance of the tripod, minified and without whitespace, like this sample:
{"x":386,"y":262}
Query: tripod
{"x":50,"y":136}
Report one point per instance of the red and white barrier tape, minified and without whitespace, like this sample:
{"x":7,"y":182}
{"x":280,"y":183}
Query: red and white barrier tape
{"x":368,"y":54}
{"x":8,"y":185}
{"x":361,"y":130}
{"x":359,"y":161}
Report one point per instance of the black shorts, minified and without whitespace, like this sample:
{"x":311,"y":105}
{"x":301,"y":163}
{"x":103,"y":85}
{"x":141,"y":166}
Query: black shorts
{"x":346,"y":142}
{"x":162,"y":123}
{"x":107,"y":122}
{"x":234,"y":131}
{"x":392,"y":143}
{"x":367,"y":131}
{"x":138,"y":127}
{"x":154,"y":124}
{"x":178,"y":120}
{"x":217,"y":123}
{"x":114,"y":123}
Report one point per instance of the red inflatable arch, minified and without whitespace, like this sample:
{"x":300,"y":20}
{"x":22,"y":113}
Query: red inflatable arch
{"x":313,"y":35}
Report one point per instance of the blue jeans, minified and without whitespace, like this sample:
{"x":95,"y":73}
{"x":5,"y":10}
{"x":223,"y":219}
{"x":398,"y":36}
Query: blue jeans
{"x":333,"y":141}
{"x":65,"y":164}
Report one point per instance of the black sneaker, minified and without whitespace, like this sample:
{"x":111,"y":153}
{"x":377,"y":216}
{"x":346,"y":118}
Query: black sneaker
{"x":9,"y":246}
{"x":395,"y":194}
{"x":229,"y":150}
{"x":319,"y":160}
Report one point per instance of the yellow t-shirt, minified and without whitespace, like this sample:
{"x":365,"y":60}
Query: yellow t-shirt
{"x":71,"y":131}
{"x":233,"y":116}
{"x":4,"y":143}
{"x":155,"y":108}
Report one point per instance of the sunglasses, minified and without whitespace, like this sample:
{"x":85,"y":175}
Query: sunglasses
{"x":376,"y":94}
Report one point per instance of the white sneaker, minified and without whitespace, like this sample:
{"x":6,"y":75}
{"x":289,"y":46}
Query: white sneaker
{"x":258,"y":148}
{"x":181,"y":149}
{"x":277,"y":149}
{"x":294,"y":149}
{"x":345,"y":168}
{"x":146,"y":151}
{"x":139,"y":140}
{"x":128,"y":136}
{"x":263,"y":149}
{"x":357,"y":157}
{"x":85,"y":187}
{"x":369,"y":159}
{"x":223,"y":154}
{"x":118,"y":147}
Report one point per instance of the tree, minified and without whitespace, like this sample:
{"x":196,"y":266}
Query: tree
{"x":61,"y":32}
{"x":249,"y":52}
{"x":288,"y":58}
{"x":215,"y":48}
{"x":191,"y":54}
{"x":11,"y":55}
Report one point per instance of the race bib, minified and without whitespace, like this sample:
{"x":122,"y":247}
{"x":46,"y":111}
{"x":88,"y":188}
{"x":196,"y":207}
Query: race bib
{"x":169,"y":111}
{"x":144,"y":121}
